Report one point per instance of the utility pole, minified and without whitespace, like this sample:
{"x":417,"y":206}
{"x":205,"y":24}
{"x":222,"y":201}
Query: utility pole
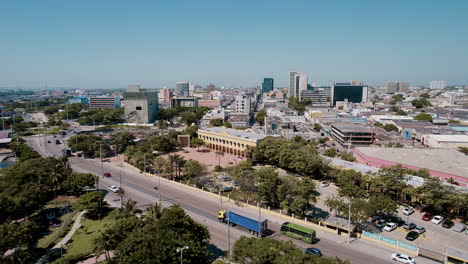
{"x":144,"y":165}
{"x":229,"y":237}
{"x":100,"y":155}
{"x":349,"y":221}
{"x":259,"y":221}
{"x":160,"y":175}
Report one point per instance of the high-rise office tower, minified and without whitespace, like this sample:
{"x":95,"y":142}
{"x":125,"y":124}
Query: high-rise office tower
{"x":346,"y":91}
{"x":292,"y":83}
{"x":297,"y":83}
{"x":301,"y":84}
{"x":437,"y":84}
{"x":267,"y":85}
{"x":191,"y":89}
{"x":403,"y":86}
{"x":393,"y":87}
{"x":182,"y":88}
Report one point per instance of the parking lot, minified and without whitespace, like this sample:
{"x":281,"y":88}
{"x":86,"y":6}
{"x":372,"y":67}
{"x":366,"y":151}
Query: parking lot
{"x":436,"y":237}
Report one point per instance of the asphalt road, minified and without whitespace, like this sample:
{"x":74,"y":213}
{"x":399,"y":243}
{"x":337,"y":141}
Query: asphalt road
{"x":202,"y":207}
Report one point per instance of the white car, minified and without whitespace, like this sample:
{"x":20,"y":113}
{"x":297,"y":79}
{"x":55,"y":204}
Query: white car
{"x":324,"y":184}
{"x":408,"y":210}
{"x":390,"y":227}
{"x":113,"y":188}
{"x":437,"y":219}
{"x":403,"y":258}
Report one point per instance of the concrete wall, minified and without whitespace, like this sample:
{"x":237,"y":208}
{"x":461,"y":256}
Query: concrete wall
{"x":148,"y":112}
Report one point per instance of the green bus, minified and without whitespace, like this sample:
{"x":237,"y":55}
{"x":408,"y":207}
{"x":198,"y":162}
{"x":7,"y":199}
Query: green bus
{"x":298,"y":232}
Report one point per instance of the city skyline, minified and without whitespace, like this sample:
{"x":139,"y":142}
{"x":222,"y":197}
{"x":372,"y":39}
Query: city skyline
{"x":113,"y":44}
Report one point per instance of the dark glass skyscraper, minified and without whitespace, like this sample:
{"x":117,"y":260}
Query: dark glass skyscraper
{"x":267,"y":85}
{"x":346,"y":91}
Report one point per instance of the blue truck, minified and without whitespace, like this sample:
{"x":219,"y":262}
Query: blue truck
{"x":250,"y":224}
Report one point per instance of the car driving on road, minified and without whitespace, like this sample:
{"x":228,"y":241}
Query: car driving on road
{"x":403,"y":258}
{"x":113,"y":188}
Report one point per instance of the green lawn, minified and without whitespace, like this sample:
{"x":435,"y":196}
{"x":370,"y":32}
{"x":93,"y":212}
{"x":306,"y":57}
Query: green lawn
{"x":57,"y":233}
{"x":82,"y":242}
{"x":61,"y":202}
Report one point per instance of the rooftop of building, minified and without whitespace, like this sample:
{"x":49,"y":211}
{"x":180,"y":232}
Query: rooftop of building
{"x":434,"y":130}
{"x":235,"y":132}
{"x":443,"y":160}
{"x":352,"y":127}
{"x":451,"y":138}
{"x":412,"y":124}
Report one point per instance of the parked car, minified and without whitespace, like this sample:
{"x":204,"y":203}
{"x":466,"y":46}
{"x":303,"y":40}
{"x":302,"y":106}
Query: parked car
{"x":420,"y":229}
{"x":427,"y":216}
{"x":324,"y":184}
{"x":313,"y":251}
{"x":411,"y":236}
{"x":395,"y":219}
{"x":408,"y":210}
{"x":381,"y":223}
{"x":57,"y":142}
{"x":107,"y":174}
{"x":376,"y":218}
{"x":48,"y":141}
{"x":437,"y":219}
{"x":403,"y":258}
{"x":390,"y":227}
{"x":113,"y":188}
{"x":460,"y":227}
{"x":448,"y":223}
{"x":409,"y":226}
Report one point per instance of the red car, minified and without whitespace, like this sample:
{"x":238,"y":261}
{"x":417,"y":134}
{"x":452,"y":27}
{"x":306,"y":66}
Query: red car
{"x":427,"y":216}
{"x":106,"y":174}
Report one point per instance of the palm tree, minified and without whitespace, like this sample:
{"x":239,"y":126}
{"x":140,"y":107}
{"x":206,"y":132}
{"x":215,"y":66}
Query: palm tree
{"x":102,"y":244}
{"x":129,"y":208}
{"x":56,"y":177}
{"x":121,"y":194}
{"x":219,"y":154}
{"x":180,"y":162}
{"x":154,"y":211}
{"x":172,"y":162}
{"x":463,"y":150}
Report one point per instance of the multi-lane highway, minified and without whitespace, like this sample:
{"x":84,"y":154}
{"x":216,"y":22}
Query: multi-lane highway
{"x":203,"y":207}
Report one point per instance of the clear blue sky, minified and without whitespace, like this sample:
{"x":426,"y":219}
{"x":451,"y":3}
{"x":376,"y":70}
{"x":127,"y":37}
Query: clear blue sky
{"x":109,"y":44}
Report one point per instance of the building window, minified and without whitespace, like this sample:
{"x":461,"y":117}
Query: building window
{"x":138,"y":108}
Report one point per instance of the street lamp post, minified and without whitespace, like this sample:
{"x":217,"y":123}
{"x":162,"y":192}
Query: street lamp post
{"x":159,"y":185}
{"x":349,"y":221}
{"x":181,"y":250}
{"x":144,"y":165}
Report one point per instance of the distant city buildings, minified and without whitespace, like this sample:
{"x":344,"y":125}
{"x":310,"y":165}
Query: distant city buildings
{"x":243,"y":104}
{"x":267,"y":85}
{"x":297,"y":83}
{"x":394,"y":87}
{"x":210,"y":88}
{"x":187,"y":101}
{"x":79,"y":99}
{"x":346,"y":91}
{"x":104,"y":102}
{"x":141,"y":106}
{"x":350,"y":134}
{"x":437,"y":84}
{"x":319,"y":96}
{"x":182,"y":88}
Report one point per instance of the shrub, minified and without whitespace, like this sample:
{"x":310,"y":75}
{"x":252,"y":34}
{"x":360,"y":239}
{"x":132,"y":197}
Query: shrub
{"x":218,"y":168}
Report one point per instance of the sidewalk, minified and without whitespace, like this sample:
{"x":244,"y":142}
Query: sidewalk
{"x":75,"y":227}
